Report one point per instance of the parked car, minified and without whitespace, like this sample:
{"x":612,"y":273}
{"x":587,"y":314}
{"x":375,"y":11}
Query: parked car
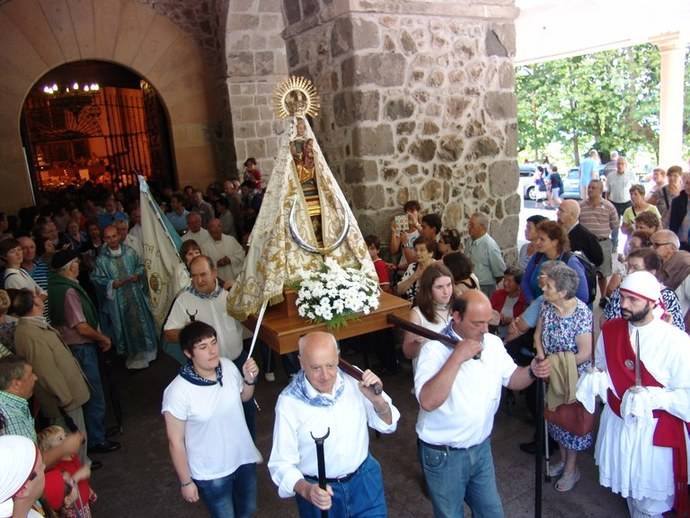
{"x":571,"y":187}
{"x":527,"y":169}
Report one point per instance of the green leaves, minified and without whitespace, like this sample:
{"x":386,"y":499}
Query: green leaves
{"x":608,"y":100}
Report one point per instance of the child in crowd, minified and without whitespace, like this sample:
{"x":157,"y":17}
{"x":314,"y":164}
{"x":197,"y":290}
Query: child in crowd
{"x":374,"y":246}
{"x":251,"y":171}
{"x":75,"y":504}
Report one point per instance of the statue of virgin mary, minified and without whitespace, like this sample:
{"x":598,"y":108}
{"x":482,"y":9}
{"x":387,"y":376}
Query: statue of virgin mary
{"x":304,"y":217}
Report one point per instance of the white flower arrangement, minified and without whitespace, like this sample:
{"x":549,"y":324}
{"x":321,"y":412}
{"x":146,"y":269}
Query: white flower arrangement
{"x":334,"y":294}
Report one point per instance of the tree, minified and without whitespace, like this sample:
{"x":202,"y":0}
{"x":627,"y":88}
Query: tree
{"x":609,"y":99}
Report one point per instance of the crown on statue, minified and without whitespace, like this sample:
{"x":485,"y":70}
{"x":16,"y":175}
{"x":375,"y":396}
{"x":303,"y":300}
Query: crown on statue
{"x":296,"y":96}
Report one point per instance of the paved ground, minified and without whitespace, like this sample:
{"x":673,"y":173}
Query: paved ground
{"x":138,"y":480}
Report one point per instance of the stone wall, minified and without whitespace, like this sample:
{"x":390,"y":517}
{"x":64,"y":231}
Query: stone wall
{"x":417,"y":103}
{"x":256,"y":62}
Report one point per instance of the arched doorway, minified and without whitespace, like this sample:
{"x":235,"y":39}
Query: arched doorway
{"x":95,"y":121}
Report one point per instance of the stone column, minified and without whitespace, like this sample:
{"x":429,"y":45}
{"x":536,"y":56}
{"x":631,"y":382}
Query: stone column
{"x":417,"y":103}
{"x":256,"y":62}
{"x":672,"y":49}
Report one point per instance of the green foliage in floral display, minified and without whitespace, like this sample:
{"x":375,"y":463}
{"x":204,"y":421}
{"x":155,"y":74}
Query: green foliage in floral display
{"x":333,"y":295}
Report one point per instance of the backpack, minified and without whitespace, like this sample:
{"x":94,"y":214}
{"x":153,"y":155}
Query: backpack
{"x":590,"y":273}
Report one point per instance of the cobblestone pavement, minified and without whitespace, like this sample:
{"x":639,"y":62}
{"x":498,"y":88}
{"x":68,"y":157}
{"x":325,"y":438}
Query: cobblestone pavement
{"x":139,"y":481}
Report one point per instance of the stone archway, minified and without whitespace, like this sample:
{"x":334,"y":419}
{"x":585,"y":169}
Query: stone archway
{"x":39,"y":36}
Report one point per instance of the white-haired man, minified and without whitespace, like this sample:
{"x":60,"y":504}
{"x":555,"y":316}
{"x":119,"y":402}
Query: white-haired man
{"x":194,"y":229}
{"x":644,"y":375}
{"x":676,"y":262}
{"x":322,"y":399}
{"x":485,"y":254}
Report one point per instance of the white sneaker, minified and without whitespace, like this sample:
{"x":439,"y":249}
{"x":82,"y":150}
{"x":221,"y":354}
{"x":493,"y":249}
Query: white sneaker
{"x":270,"y":376}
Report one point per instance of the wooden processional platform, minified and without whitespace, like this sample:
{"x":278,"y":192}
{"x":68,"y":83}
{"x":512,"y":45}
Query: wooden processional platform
{"x":282,"y":326}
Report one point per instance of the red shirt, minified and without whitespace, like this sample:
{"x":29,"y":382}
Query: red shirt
{"x":382,"y":271}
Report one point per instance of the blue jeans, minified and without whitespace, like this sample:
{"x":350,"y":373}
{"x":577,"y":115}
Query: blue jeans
{"x":233,"y":496}
{"x":248,"y":406}
{"x":457,"y":476}
{"x":94,"y":409}
{"x":361,"y":496}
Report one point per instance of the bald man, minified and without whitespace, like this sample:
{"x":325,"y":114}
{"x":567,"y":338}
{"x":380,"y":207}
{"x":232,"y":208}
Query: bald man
{"x":321,"y":398}
{"x":224,"y":250}
{"x":459,"y":390}
{"x":581,"y":239}
{"x":194,"y":229}
{"x":675,"y":262}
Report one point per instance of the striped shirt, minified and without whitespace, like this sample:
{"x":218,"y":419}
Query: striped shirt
{"x":39,"y":273}
{"x":600,"y":220}
{"x":16,"y":415}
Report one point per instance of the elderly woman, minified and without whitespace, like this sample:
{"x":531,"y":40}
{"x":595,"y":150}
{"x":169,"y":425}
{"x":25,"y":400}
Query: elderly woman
{"x":565,"y":326}
{"x":645,"y":259}
{"x":530,"y":248}
{"x":449,"y":241}
{"x":639,"y":205}
{"x":552,"y":245}
{"x":461,"y":267}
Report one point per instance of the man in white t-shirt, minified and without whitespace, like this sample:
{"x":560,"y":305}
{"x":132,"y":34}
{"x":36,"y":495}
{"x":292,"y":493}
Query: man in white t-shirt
{"x":211,"y":449}
{"x":205,"y":300}
{"x":459,"y":389}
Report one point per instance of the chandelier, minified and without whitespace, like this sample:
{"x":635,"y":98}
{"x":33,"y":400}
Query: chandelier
{"x":71,"y":89}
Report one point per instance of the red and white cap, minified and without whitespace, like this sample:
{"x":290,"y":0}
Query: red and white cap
{"x":642,"y":285}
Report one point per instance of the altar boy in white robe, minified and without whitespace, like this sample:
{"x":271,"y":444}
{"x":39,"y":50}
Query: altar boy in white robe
{"x":224,"y":250}
{"x":644,"y":377}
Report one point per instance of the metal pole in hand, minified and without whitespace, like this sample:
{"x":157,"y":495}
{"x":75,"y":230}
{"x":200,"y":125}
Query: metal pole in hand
{"x":542,"y":448}
{"x":547,"y":452}
{"x":321,"y":462}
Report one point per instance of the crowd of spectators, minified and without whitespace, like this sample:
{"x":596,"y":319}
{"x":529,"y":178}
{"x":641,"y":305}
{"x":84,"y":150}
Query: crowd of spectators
{"x":75,"y":291}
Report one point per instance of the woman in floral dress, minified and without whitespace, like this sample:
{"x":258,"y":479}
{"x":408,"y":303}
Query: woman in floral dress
{"x":565,"y":325}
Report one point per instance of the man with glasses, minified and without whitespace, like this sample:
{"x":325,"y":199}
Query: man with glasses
{"x":676,"y":262}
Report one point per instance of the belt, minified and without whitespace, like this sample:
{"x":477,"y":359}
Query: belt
{"x":603,"y":238}
{"x":337,"y":480}
{"x":441,"y":447}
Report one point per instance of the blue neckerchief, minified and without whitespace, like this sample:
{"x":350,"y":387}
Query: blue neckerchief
{"x":188,"y":373}
{"x":212,"y":295}
{"x":299,"y":390}
{"x":450,"y":332}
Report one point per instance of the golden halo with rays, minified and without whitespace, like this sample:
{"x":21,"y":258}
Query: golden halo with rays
{"x":296,"y":96}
